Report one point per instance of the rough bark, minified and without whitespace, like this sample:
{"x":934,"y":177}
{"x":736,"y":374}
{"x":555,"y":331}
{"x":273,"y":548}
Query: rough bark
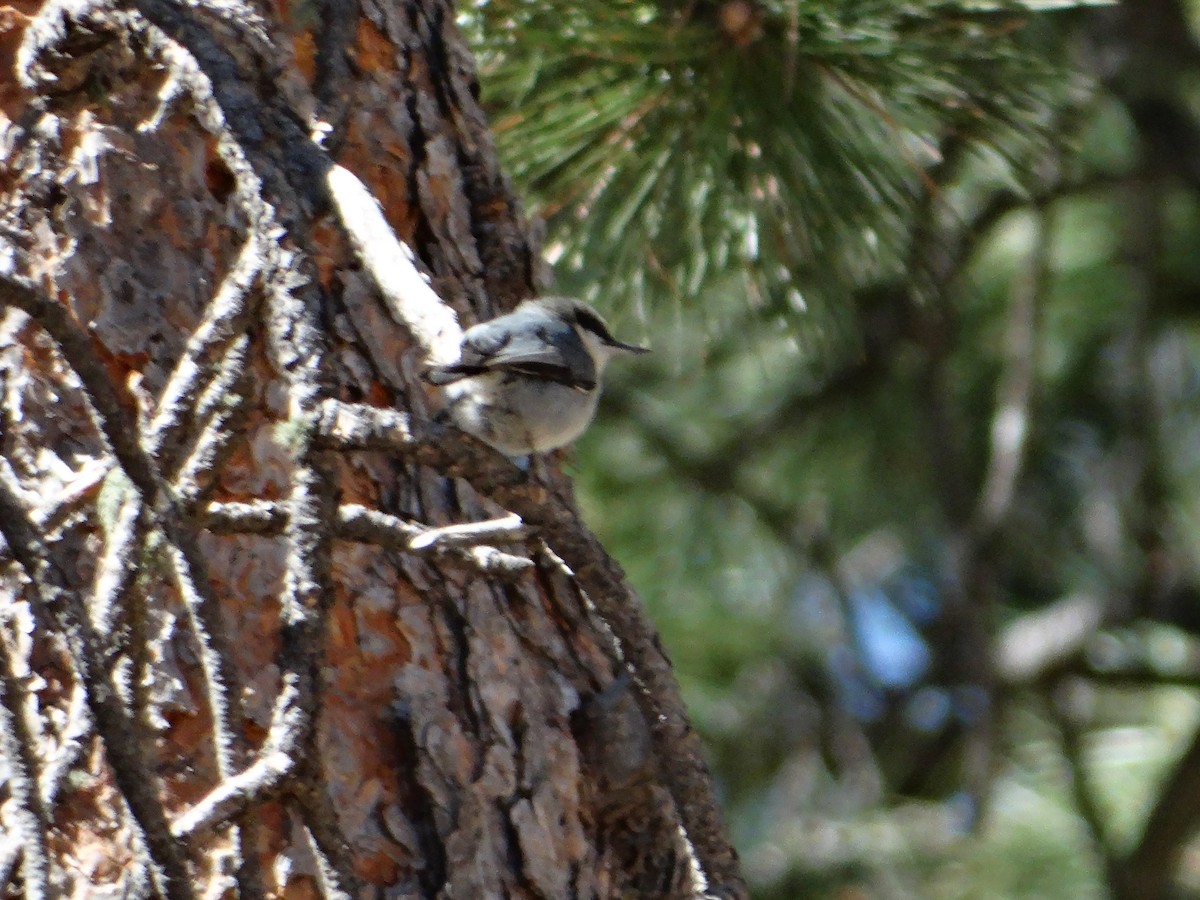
{"x":235,"y":656}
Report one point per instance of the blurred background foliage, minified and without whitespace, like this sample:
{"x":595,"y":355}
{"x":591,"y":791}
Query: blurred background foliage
{"x":912,"y":480}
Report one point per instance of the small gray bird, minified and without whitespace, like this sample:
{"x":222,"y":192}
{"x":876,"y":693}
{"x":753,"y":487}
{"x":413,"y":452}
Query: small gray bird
{"x":528,"y":381}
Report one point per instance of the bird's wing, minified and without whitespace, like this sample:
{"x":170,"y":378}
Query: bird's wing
{"x":551,"y":350}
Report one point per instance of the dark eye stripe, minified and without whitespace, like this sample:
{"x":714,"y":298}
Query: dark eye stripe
{"x":593,"y":324}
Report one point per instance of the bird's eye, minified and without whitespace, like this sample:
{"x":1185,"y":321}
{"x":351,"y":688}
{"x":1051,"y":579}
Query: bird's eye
{"x":591,"y":322}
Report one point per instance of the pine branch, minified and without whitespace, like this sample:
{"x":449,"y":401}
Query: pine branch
{"x":791,"y":149}
{"x":30,"y":820}
{"x":57,"y":601}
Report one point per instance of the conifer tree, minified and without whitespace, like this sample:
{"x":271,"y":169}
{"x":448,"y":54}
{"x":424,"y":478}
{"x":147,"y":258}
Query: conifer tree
{"x":912,"y":451}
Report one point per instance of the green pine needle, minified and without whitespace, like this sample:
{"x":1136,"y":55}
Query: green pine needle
{"x":667,"y":149}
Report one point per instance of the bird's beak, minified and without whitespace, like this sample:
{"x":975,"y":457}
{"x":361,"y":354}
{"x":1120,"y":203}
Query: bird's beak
{"x":629,"y":348}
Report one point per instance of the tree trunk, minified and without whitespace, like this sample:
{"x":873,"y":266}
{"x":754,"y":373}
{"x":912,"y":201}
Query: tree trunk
{"x":235,"y":658}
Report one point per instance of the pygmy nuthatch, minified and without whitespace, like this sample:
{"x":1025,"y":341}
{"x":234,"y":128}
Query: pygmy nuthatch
{"x":528,"y":381}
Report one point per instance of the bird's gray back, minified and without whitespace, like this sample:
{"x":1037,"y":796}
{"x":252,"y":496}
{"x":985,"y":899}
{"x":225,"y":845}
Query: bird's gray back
{"x":536,"y":341}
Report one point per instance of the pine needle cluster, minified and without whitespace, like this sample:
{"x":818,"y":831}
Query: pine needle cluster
{"x":766,"y":149}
